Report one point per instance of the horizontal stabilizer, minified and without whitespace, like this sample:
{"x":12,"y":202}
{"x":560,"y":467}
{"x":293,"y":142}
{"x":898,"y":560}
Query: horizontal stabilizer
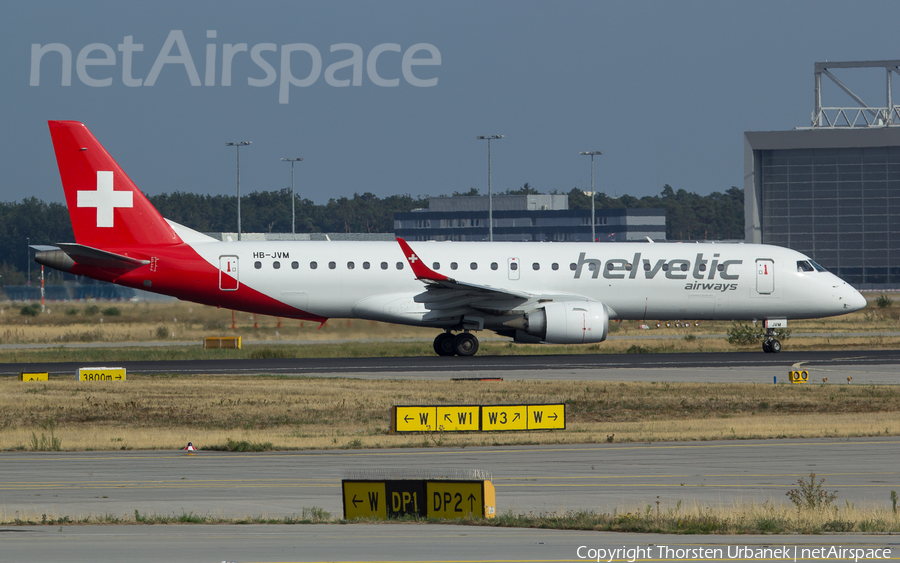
{"x":64,"y":255}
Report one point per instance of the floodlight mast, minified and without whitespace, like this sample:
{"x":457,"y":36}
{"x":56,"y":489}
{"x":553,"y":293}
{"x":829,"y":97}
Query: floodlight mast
{"x":593,"y":222}
{"x":293,"y":210}
{"x":489,"y":138}
{"x":238,"y":144}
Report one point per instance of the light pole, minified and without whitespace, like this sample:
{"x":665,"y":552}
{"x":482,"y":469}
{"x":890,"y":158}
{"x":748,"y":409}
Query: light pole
{"x":293,"y":212}
{"x":592,"y":154}
{"x":28,"y":261}
{"x":489,"y":138}
{"x":239,"y":144}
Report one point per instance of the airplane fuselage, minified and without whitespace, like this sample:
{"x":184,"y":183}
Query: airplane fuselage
{"x":372,"y":280}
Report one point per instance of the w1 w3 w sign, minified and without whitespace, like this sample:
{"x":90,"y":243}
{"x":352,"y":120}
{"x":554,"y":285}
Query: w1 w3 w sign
{"x":477,"y":418}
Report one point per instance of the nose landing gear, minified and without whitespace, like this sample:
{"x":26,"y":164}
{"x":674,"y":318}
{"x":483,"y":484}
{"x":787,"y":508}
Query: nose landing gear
{"x":770,"y":344}
{"x":449,"y":344}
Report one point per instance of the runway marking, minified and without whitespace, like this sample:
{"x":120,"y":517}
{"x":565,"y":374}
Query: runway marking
{"x":509,"y":484}
{"x":39,"y":486}
{"x":630,"y":476}
{"x":466,"y":451}
{"x":554,"y":560}
{"x":536,"y":560}
{"x":681,"y":485}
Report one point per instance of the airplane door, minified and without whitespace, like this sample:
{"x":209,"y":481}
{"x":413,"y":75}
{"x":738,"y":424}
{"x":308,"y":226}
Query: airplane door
{"x":513,"y":264}
{"x":765,"y":276}
{"x":228,"y":273}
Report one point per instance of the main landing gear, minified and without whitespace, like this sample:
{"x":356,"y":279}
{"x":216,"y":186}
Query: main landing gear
{"x":770,"y":344}
{"x":462,"y":344}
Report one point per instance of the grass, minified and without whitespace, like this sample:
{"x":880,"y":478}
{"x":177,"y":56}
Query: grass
{"x":766,"y":518}
{"x":744,"y":518}
{"x":273,"y":413}
{"x":133,"y":322}
{"x":234,"y":413}
{"x":180,"y":321}
{"x":308,"y":515}
{"x":362,"y":349}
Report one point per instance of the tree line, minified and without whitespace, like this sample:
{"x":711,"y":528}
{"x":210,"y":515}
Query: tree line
{"x":689,"y":216}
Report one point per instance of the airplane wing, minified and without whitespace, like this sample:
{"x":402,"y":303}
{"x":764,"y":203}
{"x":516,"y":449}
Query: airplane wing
{"x":445,"y":296}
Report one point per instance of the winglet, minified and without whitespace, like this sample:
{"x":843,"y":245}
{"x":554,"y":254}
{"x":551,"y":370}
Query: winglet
{"x":419,"y":268}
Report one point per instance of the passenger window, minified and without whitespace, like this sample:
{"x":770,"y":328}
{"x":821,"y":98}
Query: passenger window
{"x":384,"y":265}
{"x":257,"y":265}
{"x":295,"y":265}
{"x":628,"y":267}
{"x":365,"y":265}
{"x":554,"y":266}
{"x":350,"y":265}
{"x":473,"y":266}
{"x":493,"y":265}
{"x":514,"y":266}
{"x":454,"y":265}
{"x":721,"y":267}
{"x":332,"y":265}
{"x":436,"y":266}
{"x":684,"y":267}
{"x":572,"y":266}
{"x":399,"y":265}
{"x":646,"y":266}
{"x":313,"y":265}
{"x":609,"y":266}
{"x":702,"y":267}
{"x":665,"y":267}
{"x":276,"y":265}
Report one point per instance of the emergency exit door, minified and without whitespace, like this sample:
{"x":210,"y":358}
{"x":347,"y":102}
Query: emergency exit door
{"x":765,"y":276}
{"x":513,"y":265}
{"x":228,"y":273}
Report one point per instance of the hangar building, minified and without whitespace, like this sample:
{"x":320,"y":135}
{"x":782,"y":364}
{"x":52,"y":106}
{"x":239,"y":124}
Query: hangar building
{"x":832,"y":190}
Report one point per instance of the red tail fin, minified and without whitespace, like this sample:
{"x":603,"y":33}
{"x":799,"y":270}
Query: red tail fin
{"x":106,"y":208}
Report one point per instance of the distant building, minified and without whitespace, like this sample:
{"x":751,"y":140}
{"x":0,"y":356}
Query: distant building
{"x":74,"y":291}
{"x":526,"y":218}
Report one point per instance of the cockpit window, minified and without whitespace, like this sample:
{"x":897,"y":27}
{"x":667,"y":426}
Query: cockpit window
{"x":817,"y":266}
{"x":804,"y":266}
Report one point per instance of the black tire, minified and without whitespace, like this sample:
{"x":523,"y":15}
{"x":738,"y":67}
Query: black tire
{"x":766,"y":347}
{"x":444,"y":344}
{"x":774,"y":346}
{"x":465,"y":344}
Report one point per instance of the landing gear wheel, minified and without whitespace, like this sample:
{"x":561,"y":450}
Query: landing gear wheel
{"x":770,"y":345}
{"x":465,"y":344}
{"x":443,"y":344}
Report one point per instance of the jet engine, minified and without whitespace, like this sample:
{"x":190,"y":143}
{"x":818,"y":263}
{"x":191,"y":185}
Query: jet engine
{"x":566,"y":322}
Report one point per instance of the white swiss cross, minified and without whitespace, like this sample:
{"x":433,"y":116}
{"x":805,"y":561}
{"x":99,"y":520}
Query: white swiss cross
{"x":105,"y":199}
{"x":413,"y":258}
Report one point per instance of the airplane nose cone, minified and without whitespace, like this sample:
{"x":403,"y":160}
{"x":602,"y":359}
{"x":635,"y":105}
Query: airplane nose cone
{"x":853,"y":300}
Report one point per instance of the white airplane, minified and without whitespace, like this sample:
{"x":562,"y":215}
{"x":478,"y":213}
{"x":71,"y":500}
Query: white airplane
{"x":532,"y":292}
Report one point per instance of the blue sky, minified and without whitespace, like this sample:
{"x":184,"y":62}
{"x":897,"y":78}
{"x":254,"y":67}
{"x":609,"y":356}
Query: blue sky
{"x":664,"y":89}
